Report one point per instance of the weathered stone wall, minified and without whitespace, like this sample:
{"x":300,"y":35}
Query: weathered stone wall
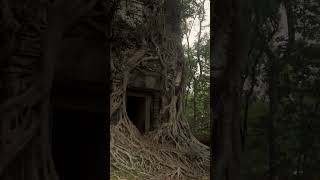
{"x":128,"y":33}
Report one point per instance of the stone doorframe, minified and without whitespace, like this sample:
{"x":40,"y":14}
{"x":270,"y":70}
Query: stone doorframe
{"x":151,"y":101}
{"x":147,"y":109}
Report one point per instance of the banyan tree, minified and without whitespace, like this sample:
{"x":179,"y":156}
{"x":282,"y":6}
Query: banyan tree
{"x":149,"y":135}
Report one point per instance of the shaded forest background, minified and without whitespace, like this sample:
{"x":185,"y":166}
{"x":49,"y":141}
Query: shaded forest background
{"x":278,"y":83}
{"x":265,"y":89}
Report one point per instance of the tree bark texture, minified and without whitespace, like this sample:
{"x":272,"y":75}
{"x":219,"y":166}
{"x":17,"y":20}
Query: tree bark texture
{"x":34,"y":31}
{"x":228,"y":61}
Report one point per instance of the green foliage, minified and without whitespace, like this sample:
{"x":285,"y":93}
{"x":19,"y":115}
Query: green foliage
{"x":189,"y":8}
{"x":196,"y":97}
{"x":200,"y":86}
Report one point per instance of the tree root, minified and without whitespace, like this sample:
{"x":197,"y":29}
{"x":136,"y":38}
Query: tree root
{"x":169,"y":152}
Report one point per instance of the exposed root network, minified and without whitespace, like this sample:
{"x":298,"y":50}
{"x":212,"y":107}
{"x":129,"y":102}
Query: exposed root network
{"x":170,"y":152}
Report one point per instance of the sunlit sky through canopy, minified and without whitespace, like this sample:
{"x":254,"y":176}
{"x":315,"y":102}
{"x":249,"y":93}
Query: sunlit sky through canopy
{"x":195,"y":27}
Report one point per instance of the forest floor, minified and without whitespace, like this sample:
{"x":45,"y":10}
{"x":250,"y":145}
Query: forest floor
{"x":121,"y":175}
{"x":150,"y":157}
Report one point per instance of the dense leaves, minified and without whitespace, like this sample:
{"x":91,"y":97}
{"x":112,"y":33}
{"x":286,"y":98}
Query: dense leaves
{"x":197,"y":99}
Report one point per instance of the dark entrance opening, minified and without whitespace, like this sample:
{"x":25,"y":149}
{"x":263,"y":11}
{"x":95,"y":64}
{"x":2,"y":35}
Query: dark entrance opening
{"x":75,"y":143}
{"x":136,"y":109}
{"x":139,"y":110}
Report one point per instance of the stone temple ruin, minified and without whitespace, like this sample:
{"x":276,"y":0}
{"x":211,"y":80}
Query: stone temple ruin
{"x":143,"y":102}
{"x":143,"y":88}
{"x":143,"y":99}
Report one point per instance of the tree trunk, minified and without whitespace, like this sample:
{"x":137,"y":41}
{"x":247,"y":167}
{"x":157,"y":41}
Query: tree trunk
{"x":275,"y":61}
{"x":229,"y":52}
{"x":39,"y":30}
{"x":195,"y":94}
{"x":273,"y":109}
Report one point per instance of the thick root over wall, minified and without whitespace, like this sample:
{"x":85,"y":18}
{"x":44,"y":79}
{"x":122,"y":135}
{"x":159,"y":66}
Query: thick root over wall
{"x":170,"y":152}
